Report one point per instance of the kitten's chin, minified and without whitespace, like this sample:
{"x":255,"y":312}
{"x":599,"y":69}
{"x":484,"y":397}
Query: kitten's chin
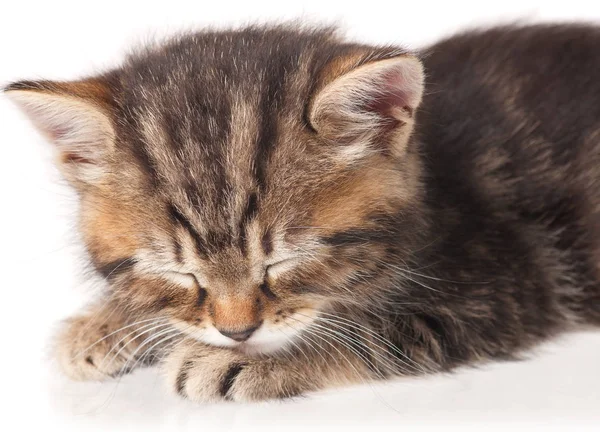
{"x":257,"y":349}
{"x":263,"y":343}
{"x":254,"y":349}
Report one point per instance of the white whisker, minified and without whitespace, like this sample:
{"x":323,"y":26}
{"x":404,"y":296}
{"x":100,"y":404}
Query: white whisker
{"x":155,"y":321}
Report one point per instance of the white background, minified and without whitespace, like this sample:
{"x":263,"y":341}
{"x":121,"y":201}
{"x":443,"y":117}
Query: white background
{"x":41,"y":267}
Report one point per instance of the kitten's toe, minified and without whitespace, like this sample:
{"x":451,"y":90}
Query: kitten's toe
{"x":208,"y":374}
{"x":197,"y":372}
{"x":267,"y":379}
{"x":87,"y":351}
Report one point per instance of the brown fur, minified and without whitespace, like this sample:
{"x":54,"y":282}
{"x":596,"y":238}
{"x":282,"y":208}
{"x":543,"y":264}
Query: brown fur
{"x":284,"y":185}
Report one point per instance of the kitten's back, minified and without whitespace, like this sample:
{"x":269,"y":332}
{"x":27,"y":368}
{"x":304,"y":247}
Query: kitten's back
{"x":510,"y":128}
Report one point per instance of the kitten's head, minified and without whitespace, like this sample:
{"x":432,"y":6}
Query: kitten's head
{"x":239,"y":183}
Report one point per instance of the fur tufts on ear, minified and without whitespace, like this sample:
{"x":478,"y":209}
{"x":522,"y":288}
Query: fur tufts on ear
{"x":370,"y":101}
{"x":76,"y":124}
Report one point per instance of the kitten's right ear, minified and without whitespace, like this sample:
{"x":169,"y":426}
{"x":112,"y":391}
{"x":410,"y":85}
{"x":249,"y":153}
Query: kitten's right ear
{"x":76,"y":118}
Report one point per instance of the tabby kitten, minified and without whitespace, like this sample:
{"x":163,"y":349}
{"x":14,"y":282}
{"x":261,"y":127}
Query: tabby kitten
{"x":278,"y":211}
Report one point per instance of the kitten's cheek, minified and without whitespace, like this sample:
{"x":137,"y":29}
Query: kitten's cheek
{"x":205,"y":334}
{"x":274,"y":337}
{"x":212,"y":336}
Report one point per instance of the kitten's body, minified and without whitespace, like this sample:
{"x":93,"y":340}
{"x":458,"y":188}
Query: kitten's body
{"x":509,"y":131}
{"x":278,"y":168}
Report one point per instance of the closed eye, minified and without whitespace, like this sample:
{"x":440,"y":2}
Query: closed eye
{"x":187,"y":280}
{"x":277,"y":268}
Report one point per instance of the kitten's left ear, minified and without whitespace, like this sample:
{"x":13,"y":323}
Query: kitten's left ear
{"x":365,"y":101}
{"x":76,"y":118}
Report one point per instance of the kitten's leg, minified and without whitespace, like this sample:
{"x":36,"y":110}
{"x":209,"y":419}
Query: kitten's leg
{"x":205,"y":374}
{"x":103,"y":343}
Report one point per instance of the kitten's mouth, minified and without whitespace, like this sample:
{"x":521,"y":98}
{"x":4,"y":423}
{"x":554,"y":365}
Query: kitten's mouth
{"x":264,"y":346}
{"x":268,"y":339}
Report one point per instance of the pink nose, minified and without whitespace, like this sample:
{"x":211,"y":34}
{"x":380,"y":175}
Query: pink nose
{"x":239,"y":335}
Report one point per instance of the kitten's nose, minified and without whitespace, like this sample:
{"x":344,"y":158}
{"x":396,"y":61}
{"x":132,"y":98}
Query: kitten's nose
{"x":239,"y":336}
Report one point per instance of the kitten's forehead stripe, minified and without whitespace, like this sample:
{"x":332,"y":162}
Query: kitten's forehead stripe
{"x":144,"y":159}
{"x":267,"y":242}
{"x":179,"y":218}
{"x":271,"y":99}
{"x":178,"y":250}
{"x":251,"y":209}
{"x":249,"y":214}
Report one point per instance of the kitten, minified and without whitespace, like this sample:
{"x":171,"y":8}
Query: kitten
{"x":278,"y":211}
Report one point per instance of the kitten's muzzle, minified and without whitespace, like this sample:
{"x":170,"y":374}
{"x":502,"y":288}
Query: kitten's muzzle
{"x":239,"y":335}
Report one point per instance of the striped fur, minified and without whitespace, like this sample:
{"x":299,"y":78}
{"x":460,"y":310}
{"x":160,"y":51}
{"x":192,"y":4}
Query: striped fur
{"x":298,"y":213}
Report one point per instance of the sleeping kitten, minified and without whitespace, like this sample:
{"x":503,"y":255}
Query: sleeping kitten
{"x":278,"y":211}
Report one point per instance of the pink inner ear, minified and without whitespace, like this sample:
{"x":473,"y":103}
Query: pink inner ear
{"x":75,"y":158}
{"x":67,"y":139}
{"x":57,"y":132}
{"x":392,"y":94}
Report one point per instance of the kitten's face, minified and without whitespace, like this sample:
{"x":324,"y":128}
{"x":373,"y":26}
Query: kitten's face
{"x":239,"y":184}
{"x":247,"y":258}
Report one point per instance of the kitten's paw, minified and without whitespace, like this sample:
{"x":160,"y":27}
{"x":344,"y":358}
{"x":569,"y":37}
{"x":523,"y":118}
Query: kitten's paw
{"x":207,"y":374}
{"x":89,"y":348}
